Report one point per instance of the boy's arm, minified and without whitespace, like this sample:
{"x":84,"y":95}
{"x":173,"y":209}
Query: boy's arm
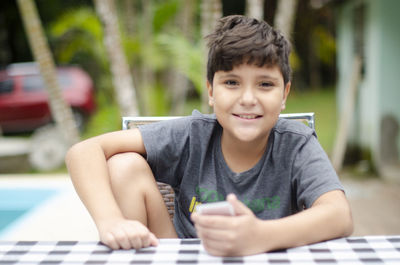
{"x":329,"y":217}
{"x":87,"y":164}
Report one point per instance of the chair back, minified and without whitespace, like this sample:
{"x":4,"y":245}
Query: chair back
{"x":132,"y":122}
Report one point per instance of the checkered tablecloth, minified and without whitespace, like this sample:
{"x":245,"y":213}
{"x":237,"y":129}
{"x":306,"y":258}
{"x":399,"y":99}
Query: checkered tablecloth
{"x":352,"y":250}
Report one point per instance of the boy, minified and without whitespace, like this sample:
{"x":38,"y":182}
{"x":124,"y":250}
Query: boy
{"x":273,"y":172}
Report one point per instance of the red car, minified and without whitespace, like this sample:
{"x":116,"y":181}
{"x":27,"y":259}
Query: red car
{"x":24,"y":101}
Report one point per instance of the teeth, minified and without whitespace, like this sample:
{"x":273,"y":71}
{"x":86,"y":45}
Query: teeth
{"x":248,"y":116}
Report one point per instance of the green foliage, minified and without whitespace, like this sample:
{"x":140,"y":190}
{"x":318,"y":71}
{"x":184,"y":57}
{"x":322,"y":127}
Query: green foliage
{"x":164,"y":12}
{"x":295,"y":62}
{"x":186,"y":57}
{"x":106,"y":119}
{"x":325,"y":44}
{"x":159,"y":103}
{"x":79,"y":30}
{"x":323,"y":103}
{"x":78,"y":37}
{"x":132,"y":47}
{"x":153,"y":57}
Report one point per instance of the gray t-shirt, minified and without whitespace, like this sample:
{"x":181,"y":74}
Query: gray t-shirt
{"x":186,"y":153}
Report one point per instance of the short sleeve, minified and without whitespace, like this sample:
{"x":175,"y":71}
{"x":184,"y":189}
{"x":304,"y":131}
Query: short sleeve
{"x":313,"y":174}
{"x":165,"y":143}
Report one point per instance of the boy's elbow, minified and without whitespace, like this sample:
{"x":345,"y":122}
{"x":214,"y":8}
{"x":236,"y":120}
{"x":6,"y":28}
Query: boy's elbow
{"x":348,"y":226}
{"x":73,"y":153}
{"x":70,"y":154}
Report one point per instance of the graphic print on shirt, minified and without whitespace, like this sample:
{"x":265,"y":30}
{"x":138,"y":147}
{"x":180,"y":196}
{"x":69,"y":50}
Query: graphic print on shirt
{"x":204,"y":195}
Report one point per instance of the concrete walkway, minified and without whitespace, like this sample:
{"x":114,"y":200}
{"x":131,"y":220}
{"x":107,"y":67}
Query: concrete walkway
{"x":62,"y":217}
{"x":375,"y":205}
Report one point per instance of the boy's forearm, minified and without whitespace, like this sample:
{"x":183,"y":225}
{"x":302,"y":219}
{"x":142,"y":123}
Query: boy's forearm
{"x":87,"y":166}
{"x":321,"y":222}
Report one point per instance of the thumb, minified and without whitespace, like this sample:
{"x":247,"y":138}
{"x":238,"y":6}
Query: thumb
{"x":239,"y":207}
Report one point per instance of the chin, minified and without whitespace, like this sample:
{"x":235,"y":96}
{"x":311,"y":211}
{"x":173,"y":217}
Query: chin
{"x":249,"y":137}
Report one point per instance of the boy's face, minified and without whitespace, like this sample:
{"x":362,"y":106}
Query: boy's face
{"x":247,"y":101}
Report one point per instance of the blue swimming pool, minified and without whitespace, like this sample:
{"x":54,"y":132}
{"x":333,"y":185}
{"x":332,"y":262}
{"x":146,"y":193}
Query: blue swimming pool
{"x":15,"y":202}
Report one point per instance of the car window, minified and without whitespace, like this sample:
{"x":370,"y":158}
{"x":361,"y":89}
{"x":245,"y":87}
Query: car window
{"x":64,"y":79}
{"x":6,"y":86}
{"x":33,"y":83}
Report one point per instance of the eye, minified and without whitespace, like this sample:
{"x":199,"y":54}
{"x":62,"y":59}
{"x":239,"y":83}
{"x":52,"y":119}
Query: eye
{"x":266,"y":84}
{"x":231,"y":83}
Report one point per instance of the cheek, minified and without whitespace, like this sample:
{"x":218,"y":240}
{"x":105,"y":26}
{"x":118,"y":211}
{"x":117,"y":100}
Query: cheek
{"x":273,"y":103}
{"x":221,"y":101}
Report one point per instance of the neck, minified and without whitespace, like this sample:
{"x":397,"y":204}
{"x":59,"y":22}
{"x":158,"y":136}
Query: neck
{"x":242,"y":156}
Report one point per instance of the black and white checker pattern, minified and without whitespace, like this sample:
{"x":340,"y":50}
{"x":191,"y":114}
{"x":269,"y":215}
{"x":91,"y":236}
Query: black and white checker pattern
{"x":352,"y":250}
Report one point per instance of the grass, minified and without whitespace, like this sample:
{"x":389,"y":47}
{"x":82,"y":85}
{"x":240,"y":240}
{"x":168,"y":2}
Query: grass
{"x":323,"y":104}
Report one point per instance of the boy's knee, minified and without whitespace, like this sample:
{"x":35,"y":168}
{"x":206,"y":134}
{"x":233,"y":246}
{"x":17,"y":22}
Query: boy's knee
{"x":126,"y":166}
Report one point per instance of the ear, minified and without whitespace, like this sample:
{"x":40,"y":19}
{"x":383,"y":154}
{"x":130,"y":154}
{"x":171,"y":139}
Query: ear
{"x":210,"y":94}
{"x":285,"y":95}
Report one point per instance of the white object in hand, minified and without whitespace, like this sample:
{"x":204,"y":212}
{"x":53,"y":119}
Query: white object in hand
{"x":216,"y":208}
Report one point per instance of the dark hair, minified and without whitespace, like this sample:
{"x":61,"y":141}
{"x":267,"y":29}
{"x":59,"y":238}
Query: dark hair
{"x":239,"y":39}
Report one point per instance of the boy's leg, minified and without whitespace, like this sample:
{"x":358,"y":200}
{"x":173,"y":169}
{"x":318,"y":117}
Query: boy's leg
{"x":137,"y":194}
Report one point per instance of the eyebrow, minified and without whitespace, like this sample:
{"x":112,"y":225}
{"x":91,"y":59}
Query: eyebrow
{"x":230,"y":75}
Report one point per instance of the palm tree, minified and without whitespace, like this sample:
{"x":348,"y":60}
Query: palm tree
{"x":121,"y":77}
{"x":255,"y":9}
{"x":179,"y":83}
{"x":61,"y":112}
{"x":211,"y":11}
{"x":285,"y":16}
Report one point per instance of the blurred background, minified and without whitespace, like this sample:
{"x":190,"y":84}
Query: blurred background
{"x":70,"y":70}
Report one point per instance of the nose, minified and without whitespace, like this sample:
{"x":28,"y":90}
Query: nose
{"x":248,"y":97}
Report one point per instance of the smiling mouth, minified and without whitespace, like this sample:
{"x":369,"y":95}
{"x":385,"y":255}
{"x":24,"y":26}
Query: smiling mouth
{"x":247,"y":116}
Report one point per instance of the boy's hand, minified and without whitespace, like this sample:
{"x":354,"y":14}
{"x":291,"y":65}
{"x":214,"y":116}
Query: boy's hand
{"x":229,"y":235}
{"x":126,"y":234}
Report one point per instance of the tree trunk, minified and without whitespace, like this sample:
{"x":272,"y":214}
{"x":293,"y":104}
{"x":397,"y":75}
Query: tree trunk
{"x":179,"y":83}
{"x":121,"y":77}
{"x":61,"y":112}
{"x":285,"y":16}
{"x":255,"y":9}
{"x":129,"y":14}
{"x":211,"y":11}
{"x":146,"y":74}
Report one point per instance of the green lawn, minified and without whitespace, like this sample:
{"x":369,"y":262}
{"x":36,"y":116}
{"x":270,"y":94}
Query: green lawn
{"x":323,"y":104}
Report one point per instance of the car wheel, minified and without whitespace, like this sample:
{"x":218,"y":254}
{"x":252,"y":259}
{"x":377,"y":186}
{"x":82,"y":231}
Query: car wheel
{"x":48,"y":148}
{"x":80,"y":119}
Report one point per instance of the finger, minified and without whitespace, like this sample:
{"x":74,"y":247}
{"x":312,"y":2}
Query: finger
{"x":134,"y":236}
{"x":153,"y":240}
{"x":122,"y":239}
{"x":215,"y":234}
{"x":145,"y":238}
{"x":136,"y":242}
{"x":194,"y":217}
{"x":214,"y":221}
{"x":239,"y":207}
{"x":110,"y":241}
{"x":216,"y":248}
